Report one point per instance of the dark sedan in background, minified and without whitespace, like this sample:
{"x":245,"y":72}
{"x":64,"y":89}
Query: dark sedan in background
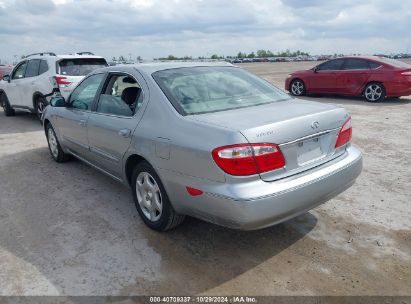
{"x":374,"y":78}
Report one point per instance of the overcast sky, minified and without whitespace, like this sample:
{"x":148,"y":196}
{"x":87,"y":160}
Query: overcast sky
{"x":153,"y":28}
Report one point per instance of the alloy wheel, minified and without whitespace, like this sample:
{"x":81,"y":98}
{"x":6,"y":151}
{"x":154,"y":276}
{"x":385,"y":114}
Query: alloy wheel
{"x":149,"y":196}
{"x":53,"y":143}
{"x":373,"y":92}
{"x":297,"y":88}
{"x":40,"y":108}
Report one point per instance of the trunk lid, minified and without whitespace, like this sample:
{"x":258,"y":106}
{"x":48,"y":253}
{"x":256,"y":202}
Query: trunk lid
{"x":305,"y":131}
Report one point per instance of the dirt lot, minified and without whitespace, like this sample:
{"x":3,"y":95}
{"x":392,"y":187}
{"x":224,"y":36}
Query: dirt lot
{"x":66,"y":229}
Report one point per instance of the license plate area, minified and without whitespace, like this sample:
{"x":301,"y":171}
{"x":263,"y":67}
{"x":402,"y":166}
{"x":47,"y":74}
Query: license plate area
{"x":309,"y":150}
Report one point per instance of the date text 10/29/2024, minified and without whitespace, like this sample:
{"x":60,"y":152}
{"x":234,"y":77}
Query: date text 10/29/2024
{"x":203,"y":299}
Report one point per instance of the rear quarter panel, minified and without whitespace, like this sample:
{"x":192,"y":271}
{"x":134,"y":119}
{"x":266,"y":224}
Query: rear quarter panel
{"x":385,"y":75}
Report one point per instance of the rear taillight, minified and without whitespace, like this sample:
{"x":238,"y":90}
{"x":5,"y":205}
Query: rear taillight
{"x":345,"y":133}
{"x":62,"y":81}
{"x":248,"y":159}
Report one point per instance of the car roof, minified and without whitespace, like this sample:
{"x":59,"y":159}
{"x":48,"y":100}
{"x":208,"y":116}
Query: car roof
{"x":375,"y":58}
{"x":393,"y":63}
{"x":75,"y":56}
{"x":152,"y":67}
{"x":69,"y":56}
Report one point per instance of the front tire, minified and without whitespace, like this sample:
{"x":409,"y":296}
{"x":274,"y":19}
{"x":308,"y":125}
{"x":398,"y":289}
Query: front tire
{"x":55,"y":149}
{"x":152,"y":201}
{"x":8,"y":110}
{"x":40,"y":105}
{"x":374,"y":92}
{"x":297,"y":87}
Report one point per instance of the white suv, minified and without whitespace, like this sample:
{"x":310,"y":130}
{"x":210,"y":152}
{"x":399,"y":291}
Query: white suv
{"x":40,"y":76}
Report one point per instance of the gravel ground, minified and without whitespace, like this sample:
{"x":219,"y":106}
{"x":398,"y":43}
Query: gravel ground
{"x":66,"y":229}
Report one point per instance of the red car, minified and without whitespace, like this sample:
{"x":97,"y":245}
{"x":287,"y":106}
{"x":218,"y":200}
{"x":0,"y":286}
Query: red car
{"x":375,"y":78}
{"x":5,"y":70}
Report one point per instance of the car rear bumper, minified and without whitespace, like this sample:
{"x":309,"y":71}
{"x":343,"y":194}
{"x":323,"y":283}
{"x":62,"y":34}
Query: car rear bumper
{"x":259,"y":204}
{"x":399,"y":88}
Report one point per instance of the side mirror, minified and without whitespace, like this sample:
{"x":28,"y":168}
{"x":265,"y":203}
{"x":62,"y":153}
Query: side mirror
{"x":6,"y":78}
{"x":315,"y":69}
{"x":58,"y":102}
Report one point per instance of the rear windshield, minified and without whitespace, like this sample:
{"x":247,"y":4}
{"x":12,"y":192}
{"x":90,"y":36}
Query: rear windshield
{"x":200,"y":90}
{"x":80,"y":66}
{"x":394,"y":63}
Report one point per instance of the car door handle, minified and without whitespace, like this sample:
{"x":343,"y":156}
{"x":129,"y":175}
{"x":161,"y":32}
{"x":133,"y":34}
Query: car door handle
{"x":82,"y":123}
{"x":124,"y":133}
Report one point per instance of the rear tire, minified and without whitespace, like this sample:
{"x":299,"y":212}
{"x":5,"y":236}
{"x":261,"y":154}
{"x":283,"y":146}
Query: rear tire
{"x":297,"y":87}
{"x":8,"y":110}
{"x":55,"y":149}
{"x":40,"y":104}
{"x":374,"y":92}
{"x":151,"y":199}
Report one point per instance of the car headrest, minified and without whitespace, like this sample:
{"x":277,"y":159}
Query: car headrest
{"x":129,"y":80}
{"x":130,"y":94}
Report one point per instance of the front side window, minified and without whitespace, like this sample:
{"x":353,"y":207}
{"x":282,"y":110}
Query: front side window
{"x":122,"y":96}
{"x":33,"y":68}
{"x":20,"y":70}
{"x":331,"y":65}
{"x":198,"y":90}
{"x":356,"y":64}
{"x":80,"y":66}
{"x":83,"y":96}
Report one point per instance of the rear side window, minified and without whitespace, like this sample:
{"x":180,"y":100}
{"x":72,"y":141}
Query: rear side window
{"x":33,"y":68}
{"x":43,"y":67}
{"x":331,"y":65}
{"x":80,"y":66}
{"x":356,"y":64}
{"x":121,"y":97}
{"x":374,"y":65}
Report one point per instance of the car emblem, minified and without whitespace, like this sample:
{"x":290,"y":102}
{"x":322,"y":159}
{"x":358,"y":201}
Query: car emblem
{"x":315,"y":124}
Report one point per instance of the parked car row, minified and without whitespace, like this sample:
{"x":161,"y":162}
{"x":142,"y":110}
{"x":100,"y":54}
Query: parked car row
{"x":273,"y":59}
{"x":374,"y":78}
{"x":38,"y":77}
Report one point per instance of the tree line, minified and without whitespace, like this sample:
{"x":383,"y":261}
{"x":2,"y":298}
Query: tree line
{"x":269,"y":54}
{"x":257,"y":54}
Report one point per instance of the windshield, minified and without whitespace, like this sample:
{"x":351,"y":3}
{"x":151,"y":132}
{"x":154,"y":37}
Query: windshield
{"x":198,"y":90}
{"x":81,"y":66}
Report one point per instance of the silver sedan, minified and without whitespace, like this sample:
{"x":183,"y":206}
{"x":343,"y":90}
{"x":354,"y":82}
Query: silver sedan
{"x":207,"y":140}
